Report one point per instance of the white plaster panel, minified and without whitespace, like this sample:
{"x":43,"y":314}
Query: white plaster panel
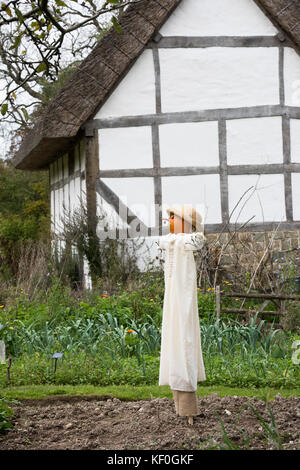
{"x":61,"y":209}
{"x":66,"y":199}
{"x":218,"y":18}
{"x":197,"y":190}
{"x":191,"y":144}
{"x":72,"y":196}
{"x":128,"y":147}
{"x":296,"y":195}
{"x":295,"y":140}
{"x":135,"y":94}
{"x":137,"y":194}
{"x":254,"y":141}
{"x":57,"y":210}
{"x":109,"y":217}
{"x":291,"y":77}
{"x":52,"y":208}
{"x":215,"y":77}
{"x":54,"y":211}
{"x":264,"y":201}
{"x":86,"y":273}
{"x":77,"y":193}
{"x":146,"y":251}
{"x":83,"y":189}
{"x":56,"y":202}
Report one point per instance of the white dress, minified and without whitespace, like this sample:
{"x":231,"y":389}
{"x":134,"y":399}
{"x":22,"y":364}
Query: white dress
{"x":181,"y":361}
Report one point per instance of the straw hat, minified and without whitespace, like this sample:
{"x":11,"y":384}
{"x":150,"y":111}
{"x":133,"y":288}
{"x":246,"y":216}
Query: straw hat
{"x":189,"y":214}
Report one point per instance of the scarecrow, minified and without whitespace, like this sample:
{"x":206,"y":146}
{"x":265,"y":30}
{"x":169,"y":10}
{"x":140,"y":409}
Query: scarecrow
{"x":181,"y":362}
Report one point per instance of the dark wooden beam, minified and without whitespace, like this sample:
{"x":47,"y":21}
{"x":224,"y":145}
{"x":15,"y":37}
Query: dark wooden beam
{"x":266,"y":169}
{"x":216,"y":41}
{"x":193,"y":116}
{"x":91,"y":172}
{"x":120,"y":208}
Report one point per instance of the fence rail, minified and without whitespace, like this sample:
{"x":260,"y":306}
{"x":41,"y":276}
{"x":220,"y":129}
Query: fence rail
{"x":266,"y":297}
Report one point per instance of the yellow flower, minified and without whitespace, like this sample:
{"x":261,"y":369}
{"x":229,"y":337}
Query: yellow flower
{"x":11,"y":327}
{"x":1,"y":306}
{"x":237,"y":299}
{"x":151,"y":300}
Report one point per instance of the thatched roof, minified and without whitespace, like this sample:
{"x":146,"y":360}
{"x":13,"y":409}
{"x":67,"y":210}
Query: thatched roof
{"x":286,"y":15}
{"x":104,"y":68}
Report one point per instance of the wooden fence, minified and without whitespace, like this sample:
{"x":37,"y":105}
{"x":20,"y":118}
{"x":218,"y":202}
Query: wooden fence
{"x":278,"y":300}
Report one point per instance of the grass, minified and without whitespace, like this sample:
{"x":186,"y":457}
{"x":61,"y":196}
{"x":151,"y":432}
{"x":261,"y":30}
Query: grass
{"x":127,"y":392}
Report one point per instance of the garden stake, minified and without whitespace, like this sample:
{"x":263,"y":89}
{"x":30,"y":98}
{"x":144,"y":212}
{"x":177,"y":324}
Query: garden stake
{"x":56,"y":356}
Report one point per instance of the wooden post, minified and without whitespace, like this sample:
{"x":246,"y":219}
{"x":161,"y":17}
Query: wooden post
{"x":282,"y":307}
{"x":8,"y":369}
{"x":191,"y":420}
{"x":91,"y":174}
{"x":218,"y":301}
{"x":282,"y":313}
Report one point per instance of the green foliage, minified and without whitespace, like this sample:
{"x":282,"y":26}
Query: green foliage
{"x":20,"y":189}
{"x":4,"y":109}
{"x":6,"y":414}
{"x":24,"y":213}
{"x":115,"y":339}
{"x":206,"y":305}
{"x":81,"y":368}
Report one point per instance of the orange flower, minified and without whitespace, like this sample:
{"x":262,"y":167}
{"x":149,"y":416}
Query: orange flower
{"x":130,"y":331}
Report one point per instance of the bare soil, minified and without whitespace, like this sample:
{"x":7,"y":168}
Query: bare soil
{"x":94,"y":423}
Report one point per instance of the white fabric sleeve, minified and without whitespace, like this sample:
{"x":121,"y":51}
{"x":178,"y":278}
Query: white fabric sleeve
{"x":166,"y":240}
{"x":162,"y":242}
{"x":194,"y":241}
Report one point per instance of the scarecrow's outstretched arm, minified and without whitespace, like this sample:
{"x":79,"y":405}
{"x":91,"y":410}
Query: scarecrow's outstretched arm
{"x":194,"y":241}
